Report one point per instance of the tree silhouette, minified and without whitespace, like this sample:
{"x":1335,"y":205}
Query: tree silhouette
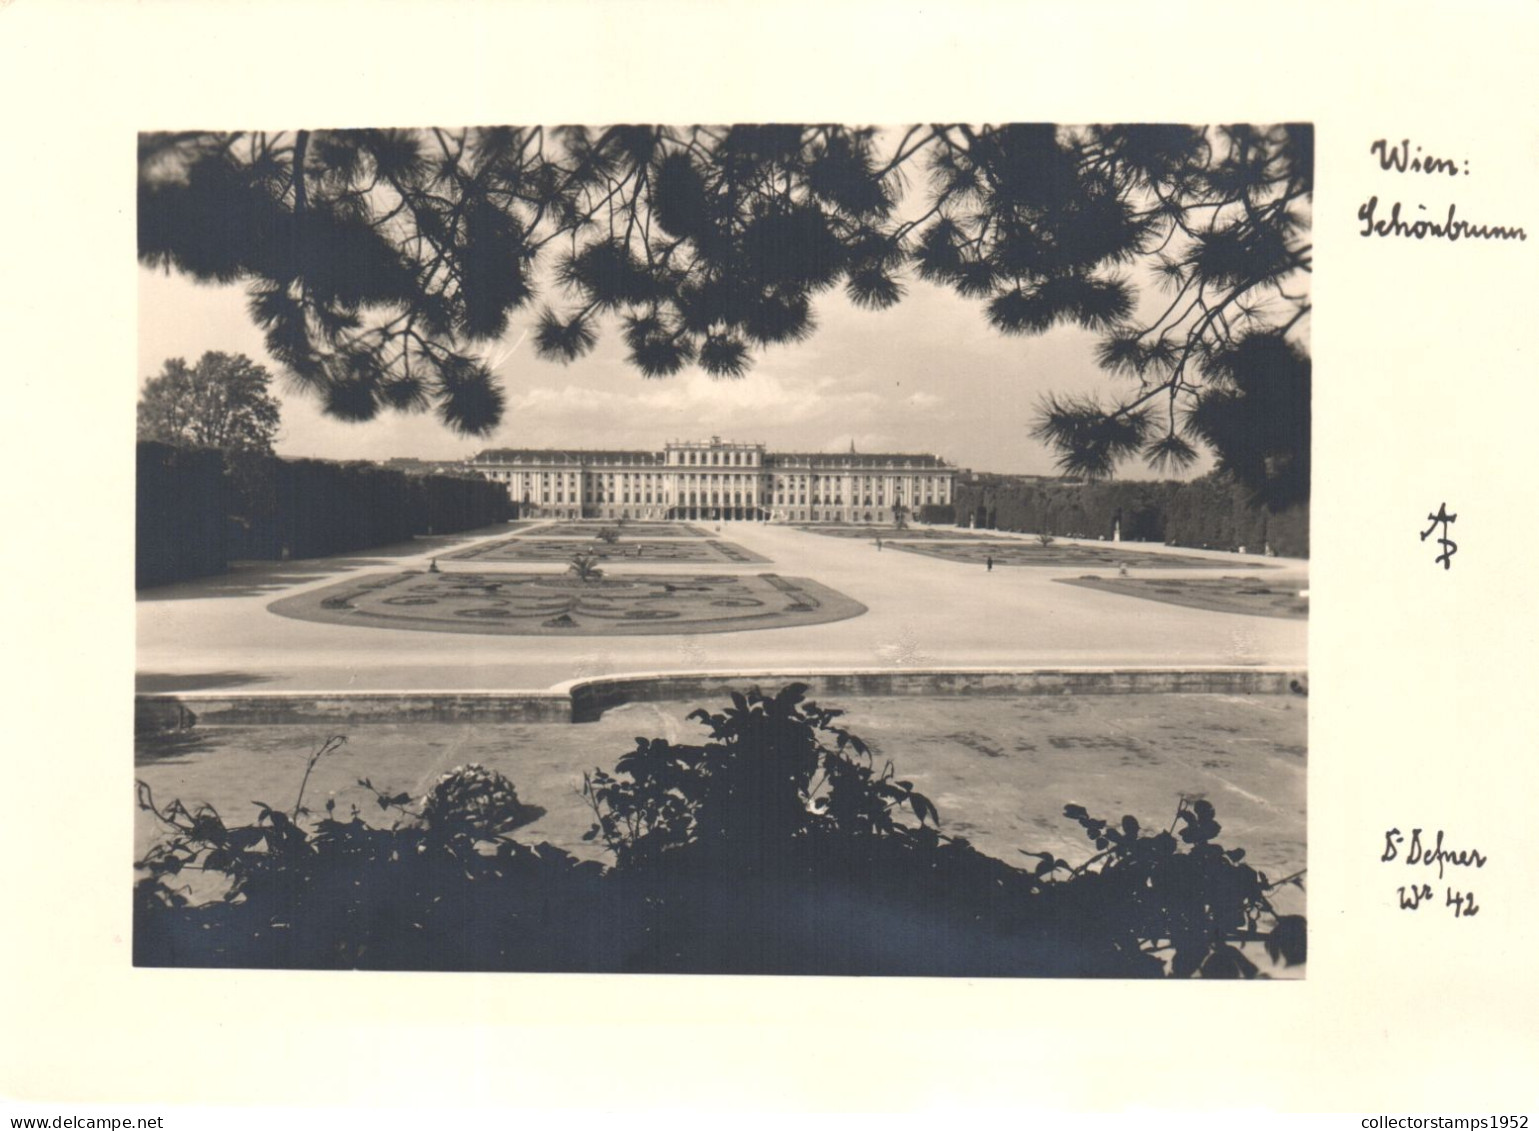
{"x":1053,"y":226}
{"x":380,"y":262}
{"x":221,"y":402}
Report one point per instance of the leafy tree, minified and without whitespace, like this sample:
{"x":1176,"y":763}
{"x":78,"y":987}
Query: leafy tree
{"x":221,"y":402}
{"x":380,"y":261}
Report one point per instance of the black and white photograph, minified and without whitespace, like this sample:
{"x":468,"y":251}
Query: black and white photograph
{"x":725,"y":549}
{"x":725,"y":564}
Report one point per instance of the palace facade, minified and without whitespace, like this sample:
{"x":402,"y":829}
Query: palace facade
{"x":718,"y":480}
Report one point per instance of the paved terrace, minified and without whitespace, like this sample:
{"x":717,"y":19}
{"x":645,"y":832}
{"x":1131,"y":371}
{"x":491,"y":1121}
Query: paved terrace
{"x":924,"y":612}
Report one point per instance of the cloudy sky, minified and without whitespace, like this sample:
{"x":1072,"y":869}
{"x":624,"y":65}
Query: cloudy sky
{"x":927,"y":375}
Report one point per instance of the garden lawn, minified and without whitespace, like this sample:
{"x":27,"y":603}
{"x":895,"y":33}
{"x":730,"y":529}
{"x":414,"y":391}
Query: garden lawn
{"x":1247,"y":595}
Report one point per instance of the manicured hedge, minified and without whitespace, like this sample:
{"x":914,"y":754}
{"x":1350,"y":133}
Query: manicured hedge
{"x":198,"y":509}
{"x":307,"y":508}
{"x":1212,"y":511}
{"x":181,"y":506}
{"x":441,"y":504}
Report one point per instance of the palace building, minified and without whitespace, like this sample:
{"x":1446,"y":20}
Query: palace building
{"x":718,"y":480}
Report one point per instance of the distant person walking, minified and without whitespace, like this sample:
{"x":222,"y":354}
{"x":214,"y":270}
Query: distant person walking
{"x":990,"y":560}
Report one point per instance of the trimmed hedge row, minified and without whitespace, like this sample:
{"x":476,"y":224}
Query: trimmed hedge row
{"x":199,"y":509}
{"x":443,"y":504}
{"x":180,"y":514}
{"x":308,"y":508}
{"x":1211,"y":512}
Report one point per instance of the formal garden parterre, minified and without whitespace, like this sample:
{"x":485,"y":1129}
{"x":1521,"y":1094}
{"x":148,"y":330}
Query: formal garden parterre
{"x":1250,"y":596}
{"x":591,"y":529}
{"x":1014,"y":552}
{"x":873,"y":531}
{"x":684,"y":551}
{"x":569,"y":605}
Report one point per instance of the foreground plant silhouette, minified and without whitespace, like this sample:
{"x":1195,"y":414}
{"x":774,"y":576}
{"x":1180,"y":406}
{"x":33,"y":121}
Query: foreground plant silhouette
{"x":775,"y":769}
{"x":778,"y":845}
{"x":1192,"y":904}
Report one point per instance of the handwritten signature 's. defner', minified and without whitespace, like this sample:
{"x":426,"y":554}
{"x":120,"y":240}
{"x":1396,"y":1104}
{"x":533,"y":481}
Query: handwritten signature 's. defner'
{"x":1437,"y":856}
{"x":1418,"y":854}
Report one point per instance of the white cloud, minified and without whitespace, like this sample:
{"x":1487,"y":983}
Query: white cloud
{"x":863,"y":442}
{"x":926,"y":376}
{"x":692,"y":402}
